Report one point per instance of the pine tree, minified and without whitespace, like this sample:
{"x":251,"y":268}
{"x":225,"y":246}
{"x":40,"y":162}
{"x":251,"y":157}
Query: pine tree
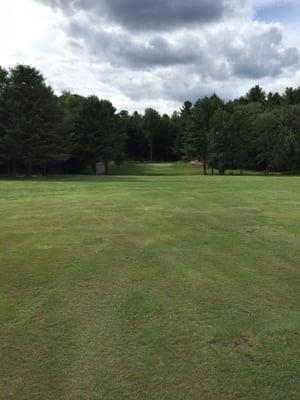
{"x":33,"y":135}
{"x":97,"y":134}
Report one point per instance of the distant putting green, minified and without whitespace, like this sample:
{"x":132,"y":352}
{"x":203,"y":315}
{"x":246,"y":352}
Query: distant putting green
{"x":168,"y":169}
{"x":150,"y":287}
{"x":146,"y":169}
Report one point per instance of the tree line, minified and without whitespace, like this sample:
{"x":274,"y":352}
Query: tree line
{"x":41,"y":132}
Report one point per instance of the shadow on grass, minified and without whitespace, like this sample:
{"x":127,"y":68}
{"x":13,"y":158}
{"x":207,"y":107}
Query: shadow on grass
{"x":131,"y":177}
{"x":73,"y":178}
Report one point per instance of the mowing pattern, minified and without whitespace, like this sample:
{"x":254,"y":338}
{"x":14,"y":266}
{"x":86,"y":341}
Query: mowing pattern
{"x":150,"y":288}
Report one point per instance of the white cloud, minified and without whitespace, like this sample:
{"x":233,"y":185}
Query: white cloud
{"x":135,"y":68}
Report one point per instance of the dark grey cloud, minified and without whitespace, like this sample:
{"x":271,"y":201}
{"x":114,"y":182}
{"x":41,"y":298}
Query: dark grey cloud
{"x":150,"y":14}
{"x":175,"y":49}
{"x":260,"y":51}
{"x":246,"y":66}
{"x":121,"y":48}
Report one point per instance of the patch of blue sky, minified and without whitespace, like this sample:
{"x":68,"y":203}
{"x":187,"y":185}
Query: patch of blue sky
{"x":285,"y":12}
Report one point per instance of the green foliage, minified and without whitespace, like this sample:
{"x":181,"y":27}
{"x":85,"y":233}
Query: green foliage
{"x":292,"y":96}
{"x":219,"y":141}
{"x":136,"y":144}
{"x":269,"y":136}
{"x":32,"y":133}
{"x":151,"y":125}
{"x":97,"y":136}
{"x":256,"y":95}
{"x":255,"y":132}
{"x":72,"y":133}
{"x":290,"y":125}
{"x":197,"y":128}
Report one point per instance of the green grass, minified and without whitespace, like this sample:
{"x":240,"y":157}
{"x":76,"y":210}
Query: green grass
{"x":150,"y":287}
{"x":167,"y":169}
{"x":146,"y":169}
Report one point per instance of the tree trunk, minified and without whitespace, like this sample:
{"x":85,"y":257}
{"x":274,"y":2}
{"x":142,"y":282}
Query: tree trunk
{"x":94,"y":167}
{"x":267,"y":171}
{"x":241,"y":171}
{"x":204,"y":168}
{"x":44,"y":170}
{"x":105,"y":167}
{"x":151,"y":150}
{"x":212,"y":171}
{"x":28,"y":173}
{"x":13,"y":169}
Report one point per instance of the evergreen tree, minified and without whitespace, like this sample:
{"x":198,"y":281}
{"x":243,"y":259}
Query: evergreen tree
{"x":3,"y":114}
{"x":97,"y":134}
{"x":196,"y":135}
{"x":39,"y":130}
{"x":270,"y":143}
{"x":290,"y":125}
{"x":182,"y":120}
{"x":292,"y":96}
{"x":256,"y":95}
{"x":242,"y":136}
{"x":32,"y":135}
{"x":151,"y":125}
{"x":136,"y":145}
{"x":219,"y":143}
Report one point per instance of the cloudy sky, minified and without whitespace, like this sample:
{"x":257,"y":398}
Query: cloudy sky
{"x":158,"y":53}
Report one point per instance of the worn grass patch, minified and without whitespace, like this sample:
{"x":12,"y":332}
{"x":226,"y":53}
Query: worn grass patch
{"x":154,"y":287}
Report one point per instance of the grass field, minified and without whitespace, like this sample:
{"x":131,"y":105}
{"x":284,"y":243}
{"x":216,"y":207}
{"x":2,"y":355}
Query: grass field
{"x":167,"y":169}
{"x":162,"y":169}
{"x":150,"y":287}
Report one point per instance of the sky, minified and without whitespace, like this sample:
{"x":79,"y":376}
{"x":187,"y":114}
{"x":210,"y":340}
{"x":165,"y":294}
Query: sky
{"x":154,"y":53}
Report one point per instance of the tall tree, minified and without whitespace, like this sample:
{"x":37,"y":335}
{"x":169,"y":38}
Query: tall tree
{"x":181,"y":119}
{"x":274,"y":100}
{"x":151,"y":124}
{"x":242,"y":137}
{"x":3,"y":114}
{"x":97,"y":136}
{"x":40,"y":130}
{"x":256,"y":95}
{"x":32,"y":135}
{"x":270,"y":144}
{"x":290,"y":125}
{"x":196,"y":135}
{"x":178,"y":140}
{"x":292,"y":96}
{"x":219,"y":143}
{"x":136,"y":144}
